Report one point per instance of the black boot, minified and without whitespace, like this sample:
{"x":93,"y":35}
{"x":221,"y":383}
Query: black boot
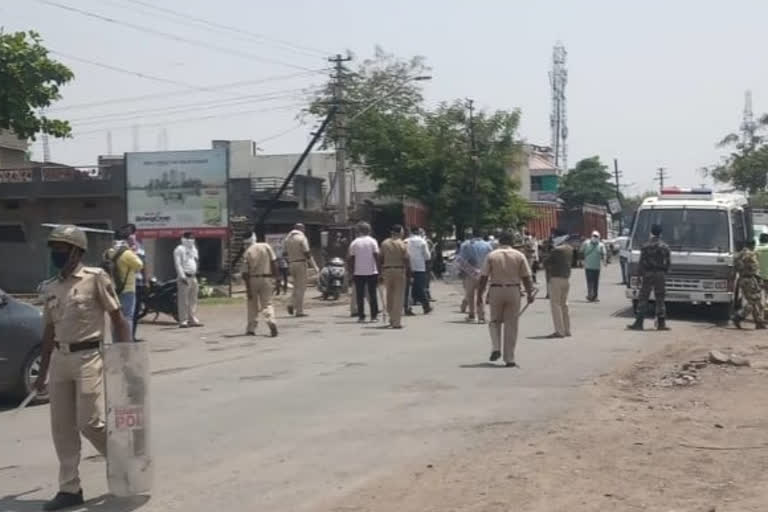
{"x":661,"y":324}
{"x":637,"y":326}
{"x":736,"y":319}
{"x":760,"y":325}
{"x":64,"y":500}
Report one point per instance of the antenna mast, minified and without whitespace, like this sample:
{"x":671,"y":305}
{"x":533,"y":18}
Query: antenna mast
{"x":558,"y":79}
{"x":748,"y":126}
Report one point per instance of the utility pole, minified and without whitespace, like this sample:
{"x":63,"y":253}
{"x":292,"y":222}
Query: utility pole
{"x":340,"y":128}
{"x":661,"y":174}
{"x":473,"y":158}
{"x":616,"y":175}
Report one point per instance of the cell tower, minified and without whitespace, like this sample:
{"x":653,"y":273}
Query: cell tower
{"x":558,"y":79}
{"x":748,"y":125}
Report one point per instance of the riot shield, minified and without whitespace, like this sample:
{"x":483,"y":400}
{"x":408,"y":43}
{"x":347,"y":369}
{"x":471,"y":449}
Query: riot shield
{"x":129,"y":460}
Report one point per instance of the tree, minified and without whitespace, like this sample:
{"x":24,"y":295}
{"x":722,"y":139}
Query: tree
{"x":426,"y":154}
{"x":29,"y":81}
{"x":588,"y":182}
{"x":746,"y":167}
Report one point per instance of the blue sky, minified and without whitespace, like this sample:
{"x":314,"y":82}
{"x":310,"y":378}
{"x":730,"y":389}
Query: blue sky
{"x":650,"y":83}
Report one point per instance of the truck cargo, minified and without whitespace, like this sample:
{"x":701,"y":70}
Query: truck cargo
{"x":545,"y":218}
{"x":583,"y":220}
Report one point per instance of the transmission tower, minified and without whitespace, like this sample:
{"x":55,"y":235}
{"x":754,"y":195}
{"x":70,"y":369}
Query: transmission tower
{"x":558,"y":79}
{"x":748,"y":125}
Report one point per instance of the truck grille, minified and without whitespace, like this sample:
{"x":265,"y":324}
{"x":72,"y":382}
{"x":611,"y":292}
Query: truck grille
{"x":678,"y":283}
{"x":695,"y":273}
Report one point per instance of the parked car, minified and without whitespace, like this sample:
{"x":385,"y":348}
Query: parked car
{"x":21,"y":336}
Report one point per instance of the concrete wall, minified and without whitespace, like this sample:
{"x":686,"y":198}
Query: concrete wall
{"x":13,"y":150}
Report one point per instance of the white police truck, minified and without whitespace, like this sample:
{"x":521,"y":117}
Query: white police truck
{"x":704,"y":231}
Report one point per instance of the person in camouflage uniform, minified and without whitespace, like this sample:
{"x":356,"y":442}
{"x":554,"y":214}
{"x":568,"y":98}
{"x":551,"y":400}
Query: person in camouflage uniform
{"x":748,"y":267}
{"x":652,"y":268}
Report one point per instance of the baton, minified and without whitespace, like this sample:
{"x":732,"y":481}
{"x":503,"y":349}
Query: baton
{"x":535,"y":292}
{"x":31,"y":396}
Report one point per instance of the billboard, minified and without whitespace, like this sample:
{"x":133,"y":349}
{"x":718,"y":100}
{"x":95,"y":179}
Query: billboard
{"x":170,"y":192}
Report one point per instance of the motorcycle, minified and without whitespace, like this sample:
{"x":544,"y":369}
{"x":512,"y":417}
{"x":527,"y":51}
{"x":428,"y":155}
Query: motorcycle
{"x":331,"y":279}
{"x":159,"y":297}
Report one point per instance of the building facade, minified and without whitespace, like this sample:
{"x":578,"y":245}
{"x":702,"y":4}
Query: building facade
{"x":57,"y":194}
{"x":536,"y":172}
{"x":13,"y":150}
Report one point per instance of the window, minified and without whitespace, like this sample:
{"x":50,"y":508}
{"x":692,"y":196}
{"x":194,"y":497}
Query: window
{"x":536,"y":183}
{"x":685,"y":229}
{"x":12,"y":233}
{"x":738,"y":227}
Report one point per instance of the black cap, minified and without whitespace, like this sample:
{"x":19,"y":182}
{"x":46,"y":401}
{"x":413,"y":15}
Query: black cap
{"x":656,"y":229}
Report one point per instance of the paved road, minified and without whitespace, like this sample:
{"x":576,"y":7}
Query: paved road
{"x":280,"y":423}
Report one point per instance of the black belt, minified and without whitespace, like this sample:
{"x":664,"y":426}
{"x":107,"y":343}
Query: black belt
{"x":79,"y":347}
{"x":496,"y":285}
{"x":298,"y":261}
{"x":188,"y":274}
{"x":385,"y":268}
{"x":261,"y":275}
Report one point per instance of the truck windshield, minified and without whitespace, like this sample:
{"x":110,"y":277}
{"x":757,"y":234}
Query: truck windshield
{"x":685,"y":229}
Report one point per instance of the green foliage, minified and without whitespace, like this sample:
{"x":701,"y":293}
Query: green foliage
{"x":29,"y":81}
{"x":746,"y":167}
{"x":425,"y":153}
{"x":588,"y":182}
{"x":629,"y":204}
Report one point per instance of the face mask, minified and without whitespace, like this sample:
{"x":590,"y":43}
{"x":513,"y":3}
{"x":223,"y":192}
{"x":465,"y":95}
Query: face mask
{"x":595,"y":239}
{"x":188,"y":243}
{"x":59,"y":259}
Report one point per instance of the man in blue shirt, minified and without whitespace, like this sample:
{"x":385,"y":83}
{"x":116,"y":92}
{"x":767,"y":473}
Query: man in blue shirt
{"x":472,"y":255}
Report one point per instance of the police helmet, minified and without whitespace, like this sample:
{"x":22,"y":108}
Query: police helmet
{"x":69,"y":234}
{"x":336,"y":262}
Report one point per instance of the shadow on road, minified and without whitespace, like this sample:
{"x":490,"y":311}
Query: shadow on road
{"x":683,"y":312}
{"x":105,"y":503}
{"x":490,"y":366}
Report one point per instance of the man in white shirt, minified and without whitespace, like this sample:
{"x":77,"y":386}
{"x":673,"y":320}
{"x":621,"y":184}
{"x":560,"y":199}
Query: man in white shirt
{"x":363,"y":263}
{"x":418,"y":253}
{"x":186,"y":260}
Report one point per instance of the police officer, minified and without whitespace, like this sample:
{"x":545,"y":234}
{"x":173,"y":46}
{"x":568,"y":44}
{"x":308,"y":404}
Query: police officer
{"x":396,"y":268}
{"x":652,"y":268}
{"x":75,"y":302}
{"x":299,"y":258}
{"x":504,"y":270}
{"x":748,"y":267}
{"x":260,"y":269}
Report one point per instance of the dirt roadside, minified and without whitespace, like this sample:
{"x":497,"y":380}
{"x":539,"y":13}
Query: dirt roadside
{"x":671,"y":433}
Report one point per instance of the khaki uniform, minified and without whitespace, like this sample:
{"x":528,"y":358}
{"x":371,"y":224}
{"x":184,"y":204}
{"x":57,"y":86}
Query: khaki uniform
{"x":296,"y":248}
{"x":75,"y":307}
{"x":506,"y":268}
{"x":258,"y":270}
{"x":394,"y":254}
